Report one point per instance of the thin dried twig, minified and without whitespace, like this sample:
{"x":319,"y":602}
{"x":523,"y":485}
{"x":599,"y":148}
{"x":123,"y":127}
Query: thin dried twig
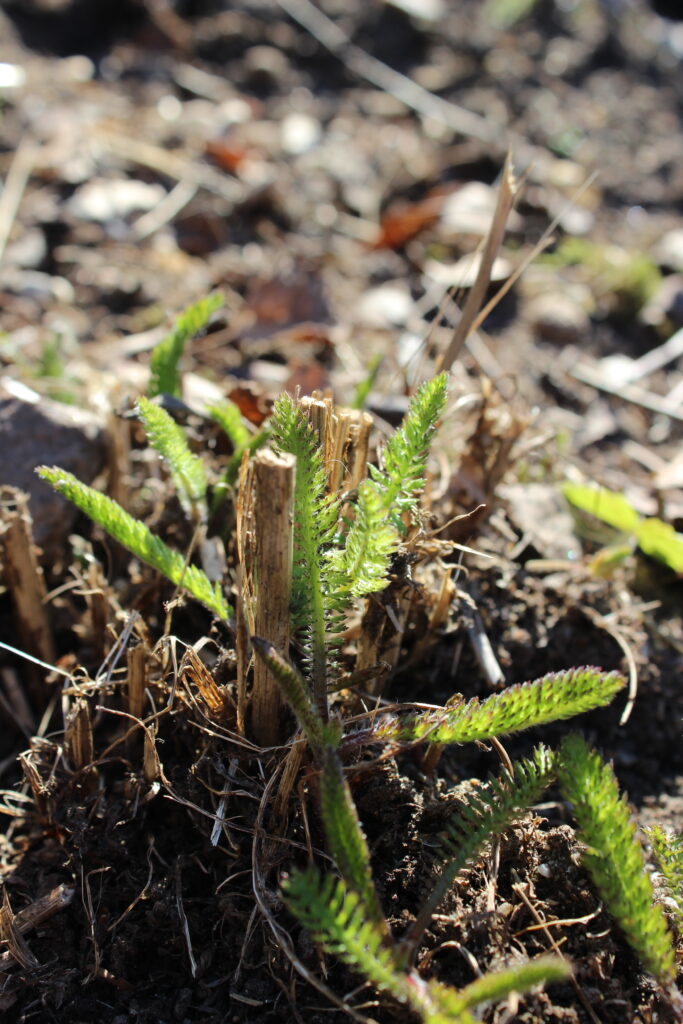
{"x":390,"y":81}
{"x":37,"y":912}
{"x":628,"y":392}
{"x":15,"y":185}
{"x":601,"y":622}
{"x":519,"y":889}
{"x":506,"y":198}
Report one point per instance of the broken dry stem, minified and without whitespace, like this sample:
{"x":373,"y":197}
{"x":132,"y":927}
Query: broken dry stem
{"x":26,"y":585}
{"x":274,"y":478}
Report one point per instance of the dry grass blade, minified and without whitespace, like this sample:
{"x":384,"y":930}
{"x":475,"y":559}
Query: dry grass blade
{"x":15,"y":185}
{"x":506,"y":197}
{"x":393,"y":82}
{"x":193,"y":672}
{"x":11,"y":935}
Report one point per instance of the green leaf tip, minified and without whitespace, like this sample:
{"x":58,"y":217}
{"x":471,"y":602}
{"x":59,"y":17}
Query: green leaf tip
{"x":496,"y":985}
{"x":404,"y":459}
{"x":187,"y":469}
{"x":138,"y":539}
{"x":613,"y":855}
{"x":555,"y":696}
{"x":609,"y":507}
{"x":165,"y":359}
{"x":295,"y":689}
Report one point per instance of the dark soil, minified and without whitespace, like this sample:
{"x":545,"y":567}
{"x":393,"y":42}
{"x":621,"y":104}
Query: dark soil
{"x":293,"y":167}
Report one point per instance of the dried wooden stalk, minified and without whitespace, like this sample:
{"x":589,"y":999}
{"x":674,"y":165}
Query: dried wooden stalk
{"x":26,"y":585}
{"x":358,"y":455}
{"x":39,"y":791}
{"x":244,"y":609}
{"x":78,"y":742}
{"x":137,"y":661}
{"x":35,"y":913}
{"x":274,"y":477}
{"x":341,"y":423}
{"x":319,"y":412}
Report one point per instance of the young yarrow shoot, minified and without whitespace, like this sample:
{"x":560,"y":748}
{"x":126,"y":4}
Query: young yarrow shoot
{"x":346,"y":533}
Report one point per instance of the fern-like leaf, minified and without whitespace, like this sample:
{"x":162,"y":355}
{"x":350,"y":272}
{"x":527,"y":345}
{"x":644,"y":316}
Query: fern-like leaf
{"x":555,"y":696}
{"x":613,"y":854}
{"x":668,"y":850}
{"x":186,"y":468}
{"x":229,"y":419}
{"x":487,"y":814}
{"x":496,"y":985}
{"x":544,"y":970}
{"x":138,"y":539}
{"x":336,"y":917}
{"x":405,"y":457}
{"x":360,"y":567}
{"x":165,"y":375}
{"x":345,"y":837}
{"x":315,"y":521}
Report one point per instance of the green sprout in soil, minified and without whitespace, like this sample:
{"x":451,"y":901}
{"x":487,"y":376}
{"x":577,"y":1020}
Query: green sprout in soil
{"x":595,"y":508}
{"x":623,"y":281}
{"x":341,"y":544}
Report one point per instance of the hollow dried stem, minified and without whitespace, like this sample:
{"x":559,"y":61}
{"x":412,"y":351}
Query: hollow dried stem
{"x":274,"y":477}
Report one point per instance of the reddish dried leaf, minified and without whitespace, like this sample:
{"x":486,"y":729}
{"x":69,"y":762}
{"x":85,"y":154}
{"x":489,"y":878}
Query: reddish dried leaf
{"x":406,"y":220}
{"x":252,"y":401}
{"x":227,"y":153}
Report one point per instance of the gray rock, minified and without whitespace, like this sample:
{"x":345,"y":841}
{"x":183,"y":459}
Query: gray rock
{"x":48,"y":433}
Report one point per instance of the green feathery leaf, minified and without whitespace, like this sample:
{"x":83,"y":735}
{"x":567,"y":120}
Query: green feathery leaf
{"x":295,"y":689}
{"x":165,"y":375}
{"x":229,"y":419}
{"x":613,"y":854}
{"x":361,"y":566}
{"x":487,"y":814}
{"x":555,"y":696}
{"x":138,"y":539}
{"x":187,"y":469}
{"x":405,"y":457}
{"x":315,"y":521}
{"x":337,"y":919}
{"x":345,"y":837}
{"x":668,"y":850}
{"x":498,"y":984}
